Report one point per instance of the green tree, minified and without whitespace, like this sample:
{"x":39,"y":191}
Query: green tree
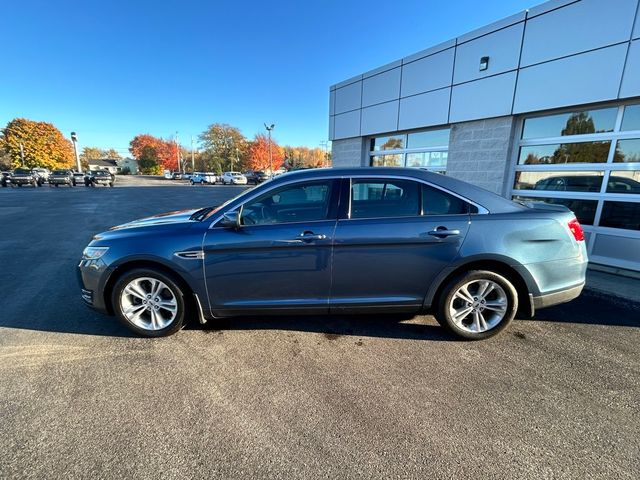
{"x":224,"y":146}
{"x":148,"y":161}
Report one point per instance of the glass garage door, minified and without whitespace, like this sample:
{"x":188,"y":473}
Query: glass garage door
{"x":426,"y":149}
{"x":588,"y":160}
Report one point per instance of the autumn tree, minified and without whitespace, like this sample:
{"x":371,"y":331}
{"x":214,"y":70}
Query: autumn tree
{"x":304,"y":157}
{"x":259,"y":154}
{"x":224,"y":147}
{"x":43,"y":145}
{"x":151,"y":149}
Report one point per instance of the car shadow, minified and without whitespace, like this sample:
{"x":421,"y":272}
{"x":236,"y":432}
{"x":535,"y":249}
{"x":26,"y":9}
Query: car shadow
{"x":405,"y":327}
{"x":591,"y":308}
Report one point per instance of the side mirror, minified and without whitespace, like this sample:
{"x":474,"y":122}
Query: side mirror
{"x":230,"y":220}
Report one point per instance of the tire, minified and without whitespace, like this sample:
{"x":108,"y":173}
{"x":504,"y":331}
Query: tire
{"x":148,"y":323}
{"x":191,"y":182}
{"x":111,"y":185}
{"x":495,"y":309}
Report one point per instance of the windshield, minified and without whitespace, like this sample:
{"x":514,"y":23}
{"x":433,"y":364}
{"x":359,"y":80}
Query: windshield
{"x":102,"y":174}
{"x":60,"y":172}
{"x":21,"y":170}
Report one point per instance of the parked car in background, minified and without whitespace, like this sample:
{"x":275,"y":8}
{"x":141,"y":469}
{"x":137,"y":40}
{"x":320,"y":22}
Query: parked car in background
{"x":78,"y":178}
{"x":5,"y":179}
{"x":99,"y":177}
{"x":256,"y":177}
{"x":167,"y":175}
{"x":202,"y":178}
{"x":61,"y":177}
{"x":25,"y":176}
{"x":233,"y":178}
{"x":43,"y":174}
{"x":357,"y":240}
{"x":176,"y":176}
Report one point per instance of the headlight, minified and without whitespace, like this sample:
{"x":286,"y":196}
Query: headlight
{"x":92,"y":253}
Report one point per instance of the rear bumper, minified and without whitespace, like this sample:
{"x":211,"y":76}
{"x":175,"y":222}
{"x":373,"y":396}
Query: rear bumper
{"x":555,"y":298}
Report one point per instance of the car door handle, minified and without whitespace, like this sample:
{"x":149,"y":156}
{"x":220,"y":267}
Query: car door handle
{"x":443,"y":232}
{"x":310,"y":236}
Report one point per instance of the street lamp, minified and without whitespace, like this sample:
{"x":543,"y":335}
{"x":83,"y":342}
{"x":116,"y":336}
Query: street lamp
{"x":269,"y":128}
{"x":74,"y":139}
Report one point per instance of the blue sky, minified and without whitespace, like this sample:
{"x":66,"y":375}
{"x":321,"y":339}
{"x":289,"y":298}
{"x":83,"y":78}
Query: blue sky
{"x":111,"y":69}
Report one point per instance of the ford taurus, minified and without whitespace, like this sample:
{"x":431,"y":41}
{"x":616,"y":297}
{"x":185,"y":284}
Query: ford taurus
{"x":331,"y":241}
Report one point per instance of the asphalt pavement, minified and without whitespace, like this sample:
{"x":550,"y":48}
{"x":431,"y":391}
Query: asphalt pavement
{"x":297,"y":397}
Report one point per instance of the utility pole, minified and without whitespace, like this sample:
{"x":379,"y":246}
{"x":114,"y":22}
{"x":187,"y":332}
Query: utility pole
{"x":177,"y":152}
{"x":22,"y":153}
{"x":74,"y":139}
{"x":193,"y":162}
{"x":237,"y":157}
{"x":324,"y":145}
{"x":269,"y":128}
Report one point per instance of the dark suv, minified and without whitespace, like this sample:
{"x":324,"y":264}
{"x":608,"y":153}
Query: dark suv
{"x":26,"y":176}
{"x":61,"y":177}
{"x":99,"y":177}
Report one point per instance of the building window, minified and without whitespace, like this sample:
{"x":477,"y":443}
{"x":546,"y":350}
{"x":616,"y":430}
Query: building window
{"x":427,"y":149}
{"x":588,"y":161}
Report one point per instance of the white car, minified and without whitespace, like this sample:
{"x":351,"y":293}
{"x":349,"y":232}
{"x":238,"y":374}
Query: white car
{"x":202,"y":177}
{"x":233,"y":178}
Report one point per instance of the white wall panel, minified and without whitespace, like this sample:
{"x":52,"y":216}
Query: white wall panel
{"x":485,"y":98}
{"x":578,"y":27}
{"x":332,"y":124}
{"x":380,"y":118}
{"x":332,"y":102}
{"x":590,"y":77}
{"x":381,"y":88}
{"x":636,"y":30}
{"x":631,"y":80}
{"x":348,"y":98}
{"x":429,"y":73}
{"x":502,"y":48}
{"x":347,"y":125}
{"x":424,"y":110}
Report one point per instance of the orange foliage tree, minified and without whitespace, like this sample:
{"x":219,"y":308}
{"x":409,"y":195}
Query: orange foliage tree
{"x":43,"y":145}
{"x":165,"y":152}
{"x":259,"y":153}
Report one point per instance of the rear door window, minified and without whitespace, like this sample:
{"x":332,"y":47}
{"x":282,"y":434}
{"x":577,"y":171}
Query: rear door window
{"x":378,"y":198}
{"x":438,"y":202}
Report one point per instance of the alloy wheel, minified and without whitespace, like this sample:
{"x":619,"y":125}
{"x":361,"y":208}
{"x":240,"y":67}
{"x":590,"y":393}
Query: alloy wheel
{"x":478,"y":306}
{"x":148,"y":303}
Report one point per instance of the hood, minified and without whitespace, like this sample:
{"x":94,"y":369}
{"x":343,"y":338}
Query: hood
{"x":180,"y":216}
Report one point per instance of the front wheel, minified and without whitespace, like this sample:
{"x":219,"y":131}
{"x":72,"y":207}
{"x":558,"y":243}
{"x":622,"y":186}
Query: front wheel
{"x":149,"y":302}
{"x":477,"y":304}
{"x":191,"y":182}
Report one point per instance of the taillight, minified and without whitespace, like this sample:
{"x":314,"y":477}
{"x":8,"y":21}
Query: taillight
{"x":576,"y":230}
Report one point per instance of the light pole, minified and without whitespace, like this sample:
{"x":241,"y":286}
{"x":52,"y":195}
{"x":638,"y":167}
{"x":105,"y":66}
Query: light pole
{"x":22,"y":154}
{"x":74,"y":139}
{"x":269,"y":128}
{"x":193,"y":162}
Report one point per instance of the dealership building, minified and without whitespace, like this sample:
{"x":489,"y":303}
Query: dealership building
{"x":543,"y":105}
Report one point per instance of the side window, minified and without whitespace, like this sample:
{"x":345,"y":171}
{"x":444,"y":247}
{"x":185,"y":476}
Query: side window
{"x":384,"y":198}
{"x":302,"y":202}
{"x":437,"y":202}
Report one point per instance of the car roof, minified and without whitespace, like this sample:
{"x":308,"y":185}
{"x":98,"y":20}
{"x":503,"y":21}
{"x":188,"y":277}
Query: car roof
{"x":491,"y":201}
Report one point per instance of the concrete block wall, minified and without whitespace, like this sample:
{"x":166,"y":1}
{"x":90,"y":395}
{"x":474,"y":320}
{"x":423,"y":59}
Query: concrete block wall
{"x":479,"y":152}
{"x":349,"y":152}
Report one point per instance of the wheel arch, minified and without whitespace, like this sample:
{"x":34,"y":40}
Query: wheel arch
{"x":497,"y":265}
{"x":127,"y":266}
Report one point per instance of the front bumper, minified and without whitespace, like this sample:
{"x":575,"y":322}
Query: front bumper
{"x":92,"y":276}
{"x":22,"y":181}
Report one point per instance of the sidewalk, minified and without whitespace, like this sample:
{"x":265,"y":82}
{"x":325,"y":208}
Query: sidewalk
{"x":614,"y":285}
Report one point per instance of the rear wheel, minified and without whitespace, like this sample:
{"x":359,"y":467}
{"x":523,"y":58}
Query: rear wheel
{"x":149,"y":302}
{"x":477,"y":304}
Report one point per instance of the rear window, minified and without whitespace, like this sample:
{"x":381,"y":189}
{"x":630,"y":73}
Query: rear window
{"x":437,"y":202}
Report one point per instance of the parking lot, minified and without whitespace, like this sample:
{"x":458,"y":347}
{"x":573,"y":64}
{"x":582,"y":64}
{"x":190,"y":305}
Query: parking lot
{"x":313,"y":397}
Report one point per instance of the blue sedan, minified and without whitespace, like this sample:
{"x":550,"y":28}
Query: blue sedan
{"x":327,"y":241}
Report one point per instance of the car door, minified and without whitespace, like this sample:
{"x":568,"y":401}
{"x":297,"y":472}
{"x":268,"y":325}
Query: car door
{"x":279,"y":257}
{"x":393,"y":238}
